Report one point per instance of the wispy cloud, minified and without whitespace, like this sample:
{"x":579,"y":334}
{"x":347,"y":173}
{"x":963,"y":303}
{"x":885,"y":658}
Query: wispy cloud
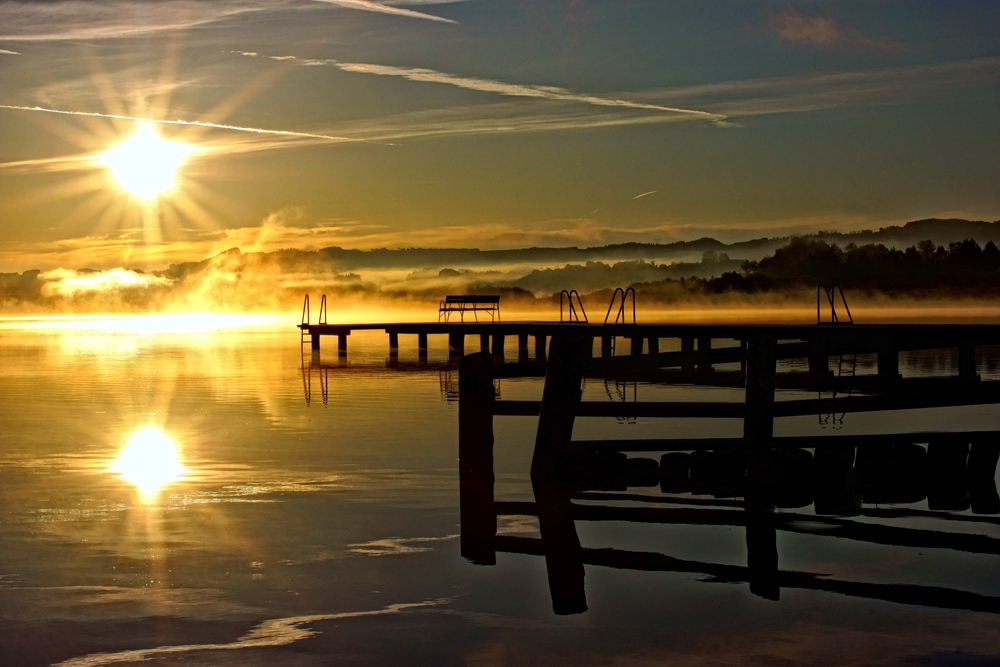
{"x":367,"y":6}
{"x":554,"y":93}
{"x":9,"y":53}
{"x":58,"y":21}
{"x":645,"y":194}
{"x":792,"y":26}
{"x":221,"y":126}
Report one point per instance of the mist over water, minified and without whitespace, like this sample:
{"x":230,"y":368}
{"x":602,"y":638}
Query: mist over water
{"x":179,"y":493}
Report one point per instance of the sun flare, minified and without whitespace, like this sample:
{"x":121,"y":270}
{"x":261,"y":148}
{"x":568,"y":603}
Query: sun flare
{"x":144,"y":164}
{"x":149,"y":460}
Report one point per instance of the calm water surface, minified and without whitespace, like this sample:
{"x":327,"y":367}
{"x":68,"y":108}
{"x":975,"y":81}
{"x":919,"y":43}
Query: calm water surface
{"x":211,"y":497}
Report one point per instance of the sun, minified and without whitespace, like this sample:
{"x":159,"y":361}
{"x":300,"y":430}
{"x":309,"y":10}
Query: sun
{"x":144,"y":164}
{"x":149,"y":460}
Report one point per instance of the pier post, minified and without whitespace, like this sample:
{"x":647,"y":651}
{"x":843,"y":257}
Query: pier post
{"x":758,"y":422}
{"x":888,"y":362}
{"x":967,"y":362}
{"x":314,"y":341}
{"x":342,"y":344}
{"x":654,"y":345}
{"x":477,"y":513}
{"x":522,"y":347}
{"x":393,"y":348}
{"x":422,"y":348}
{"x":704,"y":345}
{"x":498,"y":347}
{"x":560,"y":399}
{"x":606,"y":345}
{"x":456,"y":344}
{"x":687,"y":345}
{"x":539,"y":347}
{"x":636,"y":347}
{"x":484,"y":342}
{"x":819,"y":360}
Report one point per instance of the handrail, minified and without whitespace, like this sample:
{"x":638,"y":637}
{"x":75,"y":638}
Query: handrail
{"x":322,"y":310}
{"x":572,"y":310}
{"x":305,"y":310}
{"x":621,"y":309}
{"x":831,"y":297}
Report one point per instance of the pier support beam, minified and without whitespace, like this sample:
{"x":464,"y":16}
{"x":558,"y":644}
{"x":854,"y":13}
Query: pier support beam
{"x":636,"y":348}
{"x":967,"y":362}
{"x":456,"y":344}
{"x":819,"y":360}
{"x":475,"y":459}
{"x":704,"y":345}
{"x":484,"y":342}
{"x":654,"y":345}
{"x":522,"y":347}
{"x":422,"y":348}
{"x":498,"y":347}
{"x":606,"y":346}
{"x":539,"y":348}
{"x":342,"y":344}
{"x":888,"y":363}
{"x":687,"y":345}
{"x":560,"y":398}
{"x":393,"y":348}
{"x":758,"y":423}
{"x":314,"y":341}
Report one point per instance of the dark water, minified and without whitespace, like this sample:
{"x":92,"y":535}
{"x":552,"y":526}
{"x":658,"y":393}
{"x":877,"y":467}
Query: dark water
{"x":264,"y":528}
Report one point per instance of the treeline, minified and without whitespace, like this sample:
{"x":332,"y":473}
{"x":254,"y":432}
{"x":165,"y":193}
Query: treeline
{"x":962,"y":268}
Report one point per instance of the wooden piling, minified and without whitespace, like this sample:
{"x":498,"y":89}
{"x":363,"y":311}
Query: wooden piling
{"x":484,"y":342}
{"x":498,"y":347}
{"x":636,"y":347}
{"x":758,"y":424}
{"x":654,"y":345}
{"x":522,"y":347}
{"x":342,"y":344}
{"x":687,"y":345}
{"x":539,"y":347}
{"x":560,"y":398}
{"x":888,"y":362}
{"x":704,"y":345}
{"x":606,"y":346}
{"x":456,"y":344}
{"x":967,"y":362}
{"x":314,"y":341}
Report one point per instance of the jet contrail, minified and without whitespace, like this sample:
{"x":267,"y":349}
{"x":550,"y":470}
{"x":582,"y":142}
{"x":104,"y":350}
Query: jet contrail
{"x":366,"y":5}
{"x":196,"y":123}
{"x":651,"y":192}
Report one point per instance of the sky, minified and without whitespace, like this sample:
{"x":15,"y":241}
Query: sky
{"x":485,"y":123}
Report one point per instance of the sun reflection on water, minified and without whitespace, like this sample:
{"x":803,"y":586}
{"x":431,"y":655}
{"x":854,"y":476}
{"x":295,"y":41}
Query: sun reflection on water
{"x":149,"y":460}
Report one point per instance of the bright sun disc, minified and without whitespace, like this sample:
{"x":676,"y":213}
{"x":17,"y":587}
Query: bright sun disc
{"x":144,"y":164}
{"x":149,"y":460}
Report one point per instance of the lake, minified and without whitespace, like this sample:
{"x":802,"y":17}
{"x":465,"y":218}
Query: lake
{"x":199,"y":491}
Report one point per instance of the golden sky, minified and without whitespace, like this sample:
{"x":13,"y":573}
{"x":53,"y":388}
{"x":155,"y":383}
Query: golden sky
{"x":476,"y":123}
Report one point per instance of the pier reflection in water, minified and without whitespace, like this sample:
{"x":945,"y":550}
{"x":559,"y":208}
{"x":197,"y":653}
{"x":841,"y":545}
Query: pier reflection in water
{"x":303,"y":531}
{"x":750,"y":482}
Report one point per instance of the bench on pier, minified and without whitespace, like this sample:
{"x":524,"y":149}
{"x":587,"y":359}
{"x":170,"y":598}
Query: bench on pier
{"x":468,"y":303}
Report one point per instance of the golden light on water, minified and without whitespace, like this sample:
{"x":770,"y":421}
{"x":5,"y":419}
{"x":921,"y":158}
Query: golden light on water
{"x":144,"y":164}
{"x":149,"y":460}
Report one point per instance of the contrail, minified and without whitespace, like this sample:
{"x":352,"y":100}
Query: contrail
{"x":651,"y":192}
{"x":258,"y":130}
{"x":366,"y":5}
{"x":494,"y":86}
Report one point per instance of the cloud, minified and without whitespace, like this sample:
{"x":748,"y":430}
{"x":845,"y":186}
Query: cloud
{"x":77,"y":19}
{"x":9,"y":53}
{"x":67,"y":283}
{"x":553,"y":93}
{"x":645,"y":194}
{"x":794,"y":27}
{"x":367,"y":6}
